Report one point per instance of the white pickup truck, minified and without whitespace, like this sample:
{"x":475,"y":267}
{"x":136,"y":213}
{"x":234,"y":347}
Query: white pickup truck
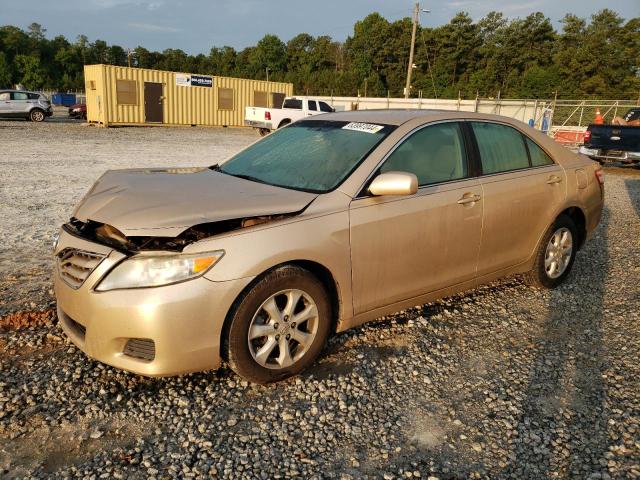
{"x":293,"y":108}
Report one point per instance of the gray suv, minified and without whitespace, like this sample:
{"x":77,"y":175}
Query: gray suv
{"x":30,"y":105}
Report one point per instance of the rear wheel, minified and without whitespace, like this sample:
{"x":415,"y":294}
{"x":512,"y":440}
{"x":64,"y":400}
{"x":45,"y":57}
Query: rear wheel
{"x":284,"y":123}
{"x":279,"y":327}
{"x":36,"y":115}
{"x":556,"y":254}
{"x":264,"y":132}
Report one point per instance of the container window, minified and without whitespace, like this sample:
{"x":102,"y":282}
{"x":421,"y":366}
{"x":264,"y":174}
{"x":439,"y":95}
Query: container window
{"x":225,"y":98}
{"x":260,"y":99}
{"x":126,"y":92}
{"x":92,"y":84}
{"x":277,"y":99}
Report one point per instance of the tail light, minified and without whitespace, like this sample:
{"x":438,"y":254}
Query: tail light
{"x":267,"y":115}
{"x":600,"y":177}
{"x":587,"y":136}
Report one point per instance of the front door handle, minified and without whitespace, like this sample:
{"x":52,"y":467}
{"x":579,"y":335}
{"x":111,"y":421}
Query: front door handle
{"x":553,"y":179}
{"x":469,"y":198}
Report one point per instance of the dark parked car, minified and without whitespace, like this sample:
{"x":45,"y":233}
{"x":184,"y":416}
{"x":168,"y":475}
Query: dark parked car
{"x":617,"y":142}
{"x":79,"y":110}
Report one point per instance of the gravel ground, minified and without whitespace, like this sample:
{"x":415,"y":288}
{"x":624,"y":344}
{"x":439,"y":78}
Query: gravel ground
{"x":502,"y":382}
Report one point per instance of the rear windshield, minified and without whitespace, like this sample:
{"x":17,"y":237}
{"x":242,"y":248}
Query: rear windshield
{"x":292,"y":103}
{"x":310,"y":155}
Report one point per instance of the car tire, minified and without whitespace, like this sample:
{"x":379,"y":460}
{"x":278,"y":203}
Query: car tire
{"x":264,"y":132}
{"x":36,"y":115}
{"x":558,"y":247}
{"x":256,"y":342}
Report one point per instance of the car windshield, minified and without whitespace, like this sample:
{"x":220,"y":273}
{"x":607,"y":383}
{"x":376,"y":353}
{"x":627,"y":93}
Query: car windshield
{"x":310,"y":155}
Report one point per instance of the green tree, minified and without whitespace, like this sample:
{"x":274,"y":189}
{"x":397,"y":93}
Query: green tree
{"x":30,"y":73}
{"x":5,"y":72}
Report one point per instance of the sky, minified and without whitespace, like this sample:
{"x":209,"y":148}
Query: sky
{"x":196,"y":25}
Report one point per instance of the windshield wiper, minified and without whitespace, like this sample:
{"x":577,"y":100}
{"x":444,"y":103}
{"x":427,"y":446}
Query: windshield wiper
{"x":245,"y":177}
{"x":217,"y":168}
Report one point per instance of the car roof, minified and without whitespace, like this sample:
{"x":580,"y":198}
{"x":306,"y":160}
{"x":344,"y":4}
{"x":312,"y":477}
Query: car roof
{"x":400,"y":116}
{"x":13,"y":90}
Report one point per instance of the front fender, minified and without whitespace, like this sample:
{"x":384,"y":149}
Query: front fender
{"x":323,"y":239}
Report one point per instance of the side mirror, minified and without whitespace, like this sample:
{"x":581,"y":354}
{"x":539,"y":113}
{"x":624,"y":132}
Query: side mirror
{"x":394,"y":183}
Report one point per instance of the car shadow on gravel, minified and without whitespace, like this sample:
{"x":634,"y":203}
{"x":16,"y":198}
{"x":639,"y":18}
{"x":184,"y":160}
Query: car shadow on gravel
{"x":633,"y":185}
{"x":563,"y":426}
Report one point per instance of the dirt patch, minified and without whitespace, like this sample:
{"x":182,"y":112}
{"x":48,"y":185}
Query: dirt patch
{"x":429,"y":433}
{"x":52,"y":448}
{"x":27,"y":319}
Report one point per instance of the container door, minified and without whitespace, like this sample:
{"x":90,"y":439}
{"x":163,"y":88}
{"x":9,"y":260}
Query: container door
{"x":153,"y":111}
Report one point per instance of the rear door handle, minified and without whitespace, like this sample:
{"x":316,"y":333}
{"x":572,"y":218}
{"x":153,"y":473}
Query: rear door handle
{"x":469,"y":198}
{"x":553,"y":179}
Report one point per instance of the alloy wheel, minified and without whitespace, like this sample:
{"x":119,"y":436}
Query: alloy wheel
{"x":558,"y":253}
{"x":283,"y":329}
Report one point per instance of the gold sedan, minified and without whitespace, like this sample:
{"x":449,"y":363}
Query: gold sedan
{"x":317,"y":228}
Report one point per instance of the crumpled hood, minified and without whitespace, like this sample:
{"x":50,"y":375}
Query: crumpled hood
{"x":165,"y":202}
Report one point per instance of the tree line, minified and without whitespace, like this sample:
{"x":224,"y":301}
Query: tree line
{"x":494,"y":56}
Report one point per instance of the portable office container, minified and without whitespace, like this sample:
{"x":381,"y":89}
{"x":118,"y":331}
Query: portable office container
{"x":139,"y":96}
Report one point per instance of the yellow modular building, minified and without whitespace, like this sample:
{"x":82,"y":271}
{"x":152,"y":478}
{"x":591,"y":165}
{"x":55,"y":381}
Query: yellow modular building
{"x":139,"y":96}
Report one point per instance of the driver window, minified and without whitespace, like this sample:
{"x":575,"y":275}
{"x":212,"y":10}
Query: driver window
{"x":434,"y":154}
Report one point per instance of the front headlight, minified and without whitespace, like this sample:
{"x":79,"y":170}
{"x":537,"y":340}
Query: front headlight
{"x":154,"y":271}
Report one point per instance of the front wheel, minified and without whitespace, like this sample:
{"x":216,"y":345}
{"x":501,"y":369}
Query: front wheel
{"x":556,"y":254}
{"x":279,"y":327}
{"x":36,"y":115}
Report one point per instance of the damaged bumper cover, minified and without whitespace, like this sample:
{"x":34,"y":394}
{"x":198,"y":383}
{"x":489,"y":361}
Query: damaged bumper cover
{"x":156,"y":331}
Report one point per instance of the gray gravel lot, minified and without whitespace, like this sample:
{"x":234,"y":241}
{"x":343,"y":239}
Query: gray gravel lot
{"x":502,"y":382}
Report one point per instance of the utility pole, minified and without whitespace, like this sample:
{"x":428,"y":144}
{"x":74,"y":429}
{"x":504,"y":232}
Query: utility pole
{"x":416,"y":12}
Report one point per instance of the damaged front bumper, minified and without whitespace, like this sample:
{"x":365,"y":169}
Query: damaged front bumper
{"x":157,"y":331}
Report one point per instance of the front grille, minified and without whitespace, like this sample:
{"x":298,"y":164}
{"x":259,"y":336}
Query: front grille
{"x":142,"y":348}
{"x":76,"y":265}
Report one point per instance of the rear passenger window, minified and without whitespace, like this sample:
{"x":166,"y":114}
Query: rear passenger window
{"x":313,"y":106}
{"x":19,"y":96}
{"x":434,"y":154}
{"x":325,"y":107}
{"x":501,"y":147}
{"x":538,"y":156}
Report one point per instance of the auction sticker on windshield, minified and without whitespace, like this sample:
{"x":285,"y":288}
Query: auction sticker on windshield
{"x":363,"y":127}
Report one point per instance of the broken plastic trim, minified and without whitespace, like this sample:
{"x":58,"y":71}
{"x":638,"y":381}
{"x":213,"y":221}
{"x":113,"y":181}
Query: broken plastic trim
{"x":112,"y":237}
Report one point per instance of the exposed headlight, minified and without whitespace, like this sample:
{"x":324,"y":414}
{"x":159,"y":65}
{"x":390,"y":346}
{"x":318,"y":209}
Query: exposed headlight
{"x":157,"y":270}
